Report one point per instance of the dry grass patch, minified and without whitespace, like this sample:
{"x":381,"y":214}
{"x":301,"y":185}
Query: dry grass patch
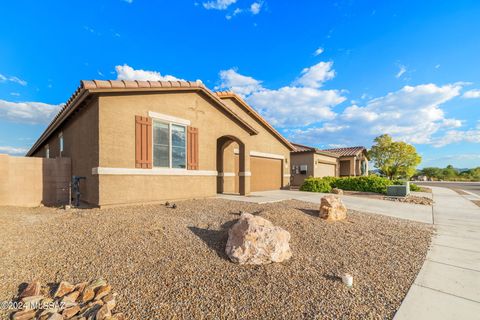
{"x":168,"y":263}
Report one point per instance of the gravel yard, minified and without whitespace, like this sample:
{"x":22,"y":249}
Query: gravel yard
{"x":170,"y":263}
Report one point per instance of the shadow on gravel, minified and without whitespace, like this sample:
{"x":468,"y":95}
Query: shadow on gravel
{"x":215,"y":239}
{"x":310,"y":212}
{"x":332,"y":277}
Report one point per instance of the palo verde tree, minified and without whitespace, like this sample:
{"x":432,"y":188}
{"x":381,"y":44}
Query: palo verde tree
{"x":395,"y":159}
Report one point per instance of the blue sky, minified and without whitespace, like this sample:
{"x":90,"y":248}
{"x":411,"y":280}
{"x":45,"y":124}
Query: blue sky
{"x":325,"y":73}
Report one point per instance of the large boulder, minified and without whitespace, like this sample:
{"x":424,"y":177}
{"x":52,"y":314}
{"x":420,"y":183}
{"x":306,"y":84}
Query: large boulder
{"x":337,"y":191}
{"x":332,"y":208}
{"x":255,"y":240}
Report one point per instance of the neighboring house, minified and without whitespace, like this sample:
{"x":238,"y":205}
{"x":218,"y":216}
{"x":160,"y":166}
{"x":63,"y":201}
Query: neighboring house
{"x":312,"y":162}
{"x":148,"y":141}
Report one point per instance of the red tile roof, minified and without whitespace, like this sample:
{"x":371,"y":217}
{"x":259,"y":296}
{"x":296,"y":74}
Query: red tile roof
{"x":348,"y":151}
{"x":91,"y":86}
{"x":302,"y":148}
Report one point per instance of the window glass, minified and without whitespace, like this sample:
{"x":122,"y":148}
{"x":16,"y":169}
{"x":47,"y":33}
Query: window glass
{"x":178,"y":146}
{"x":47,"y":151}
{"x":161,"y":145}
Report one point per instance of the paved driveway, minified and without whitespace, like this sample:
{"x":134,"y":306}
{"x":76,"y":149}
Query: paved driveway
{"x":409,"y":211}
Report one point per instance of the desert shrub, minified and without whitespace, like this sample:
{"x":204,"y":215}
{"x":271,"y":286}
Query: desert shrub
{"x":316,"y":185}
{"x":415,"y":187}
{"x":364,"y":183}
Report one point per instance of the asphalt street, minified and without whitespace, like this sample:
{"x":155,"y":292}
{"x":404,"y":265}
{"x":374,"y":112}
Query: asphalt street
{"x":473,"y":187}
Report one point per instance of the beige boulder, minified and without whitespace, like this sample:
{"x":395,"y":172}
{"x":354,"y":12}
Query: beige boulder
{"x":337,"y":191}
{"x":332,"y":208}
{"x":255,"y":240}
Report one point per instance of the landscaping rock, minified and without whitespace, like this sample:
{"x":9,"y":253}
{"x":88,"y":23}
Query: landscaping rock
{"x":337,"y":191}
{"x":102,"y":291}
{"x":63,"y":288}
{"x":332,"y":208}
{"x":103,"y":313}
{"x":24,"y":315}
{"x":55,"y":316}
{"x":71,"y":297}
{"x":110,"y":301}
{"x":87,"y":295}
{"x":255,"y":240}
{"x":96,"y":301}
{"x":32,"y":289}
{"x":70,"y":312}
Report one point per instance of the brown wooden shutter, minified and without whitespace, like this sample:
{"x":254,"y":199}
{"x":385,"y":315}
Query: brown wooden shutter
{"x":143,"y":142}
{"x":192,"y":148}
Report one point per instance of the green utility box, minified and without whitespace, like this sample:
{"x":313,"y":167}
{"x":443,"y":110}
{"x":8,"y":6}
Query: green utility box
{"x":399,"y":191}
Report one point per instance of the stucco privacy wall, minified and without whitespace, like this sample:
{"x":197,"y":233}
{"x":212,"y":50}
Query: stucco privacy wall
{"x":80,"y":136}
{"x":302,"y":158}
{"x":29,"y":182}
{"x":117,"y":145}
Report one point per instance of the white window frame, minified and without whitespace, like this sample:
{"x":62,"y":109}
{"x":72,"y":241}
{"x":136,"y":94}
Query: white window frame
{"x":60,"y":142}
{"x":170,"y":146}
{"x":47,"y":151}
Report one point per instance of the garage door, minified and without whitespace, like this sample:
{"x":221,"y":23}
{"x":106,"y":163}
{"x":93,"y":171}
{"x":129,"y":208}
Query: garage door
{"x":326,"y":170}
{"x":266,"y":174}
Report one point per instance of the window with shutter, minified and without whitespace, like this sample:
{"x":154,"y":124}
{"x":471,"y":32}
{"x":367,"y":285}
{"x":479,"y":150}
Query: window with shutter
{"x":143,"y":142}
{"x":192,"y":148}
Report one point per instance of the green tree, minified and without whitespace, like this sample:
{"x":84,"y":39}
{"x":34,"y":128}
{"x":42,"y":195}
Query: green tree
{"x":395,"y":159}
{"x":449,"y":173}
{"x":432,"y":172}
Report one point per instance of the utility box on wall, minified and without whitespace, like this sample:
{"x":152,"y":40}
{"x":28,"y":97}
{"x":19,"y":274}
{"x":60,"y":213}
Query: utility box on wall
{"x":303,"y":169}
{"x":398,"y":191}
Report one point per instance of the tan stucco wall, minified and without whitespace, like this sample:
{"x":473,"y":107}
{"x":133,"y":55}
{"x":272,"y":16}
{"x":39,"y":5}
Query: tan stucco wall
{"x":318,"y":165}
{"x":29,"y":182}
{"x":80,"y":136}
{"x":117,"y":145}
{"x":297,"y":159}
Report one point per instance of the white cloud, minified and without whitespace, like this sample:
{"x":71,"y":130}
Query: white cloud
{"x":256,"y":7}
{"x":437,"y":66}
{"x":128,"y":1}
{"x":316,"y":75}
{"x":243,"y":85}
{"x":13,"y":79}
{"x":234,"y":13}
{"x":411,"y":114}
{"x":14,"y":151}
{"x":218,"y":4}
{"x":28,"y":112}
{"x":456,"y":136}
{"x":400,"y":72}
{"x":472,"y":94}
{"x":319,"y":51}
{"x":15,"y":94}
{"x":126,"y":72}
{"x":296,"y":105}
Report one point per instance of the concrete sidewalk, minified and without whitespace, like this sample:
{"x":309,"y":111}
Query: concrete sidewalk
{"x":409,"y":211}
{"x":448,"y":285}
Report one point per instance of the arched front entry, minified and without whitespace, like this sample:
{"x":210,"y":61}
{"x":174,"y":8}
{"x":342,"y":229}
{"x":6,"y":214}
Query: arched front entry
{"x":231,"y":165}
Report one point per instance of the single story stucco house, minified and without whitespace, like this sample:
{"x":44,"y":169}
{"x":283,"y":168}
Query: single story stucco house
{"x":340,"y":162}
{"x":149,"y":141}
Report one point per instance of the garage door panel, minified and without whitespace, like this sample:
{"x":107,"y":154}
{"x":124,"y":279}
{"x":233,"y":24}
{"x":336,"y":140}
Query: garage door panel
{"x":266,"y":174}
{"x":326,"y":170}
